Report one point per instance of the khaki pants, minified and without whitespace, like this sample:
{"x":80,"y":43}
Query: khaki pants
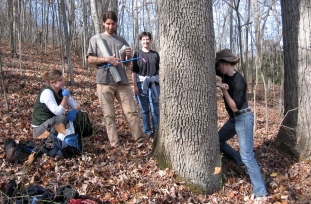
{"x":124,"y":95}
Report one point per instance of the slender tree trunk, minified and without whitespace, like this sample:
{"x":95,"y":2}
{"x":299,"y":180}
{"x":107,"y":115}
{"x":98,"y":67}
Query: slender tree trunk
{"x":246,"y":39}
{"x":72,"y":25}
{"x":60,"y":37}
{"x":113,"y":6}
{"x":67,"y":40}
{"x":136,"y":26}
{"x":281,"y":99}
{"x":259,"y":32}
{"x":30,"y":24}
{"x":236,"y":8}
{"x":271,"y":70}
{"x":19,"y":35}
{"x":84,"y":33}
{"x":266,"y":100}
{"x":231,"y":25}
{"x":121,"y":19}
{"x":6,"y":103}
{"x":53,"y":25}
{"x":148,"y":18}
{"x":13,"y":48}
{"x":187,"y":138}
{"x":42,"y":27}
{"x":47,"y":25}
{"x":95,"y":16}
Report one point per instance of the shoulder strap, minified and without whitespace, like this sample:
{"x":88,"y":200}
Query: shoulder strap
{"x":17,"y":152}
{"x":104,"y":50}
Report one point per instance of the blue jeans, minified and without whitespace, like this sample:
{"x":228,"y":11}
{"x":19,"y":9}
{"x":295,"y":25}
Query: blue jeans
{"x":242,"y":125}
{"x":145,"y":101}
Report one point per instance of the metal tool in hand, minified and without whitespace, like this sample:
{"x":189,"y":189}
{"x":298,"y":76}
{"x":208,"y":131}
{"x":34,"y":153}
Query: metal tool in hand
{"x":124,"y":61}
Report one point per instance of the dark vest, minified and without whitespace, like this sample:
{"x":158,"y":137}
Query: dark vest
{"x":41,"y":112}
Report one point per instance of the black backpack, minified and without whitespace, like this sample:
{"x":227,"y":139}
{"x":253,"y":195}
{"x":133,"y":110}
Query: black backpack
{"x":70,"y":147}
{"x":82,"y":124}
{"x":65,"y":193}
{"x":18,"y":152}
{"x":32,"y":194}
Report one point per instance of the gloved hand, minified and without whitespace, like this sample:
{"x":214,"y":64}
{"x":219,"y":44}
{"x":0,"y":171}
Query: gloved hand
{"x":72,"y":114}
{"x":65,"y":92}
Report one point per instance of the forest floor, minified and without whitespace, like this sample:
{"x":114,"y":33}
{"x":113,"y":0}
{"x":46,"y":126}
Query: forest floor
{"x":129,"y":174}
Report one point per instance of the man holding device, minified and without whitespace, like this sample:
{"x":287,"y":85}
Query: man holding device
{"x":112,"y":82}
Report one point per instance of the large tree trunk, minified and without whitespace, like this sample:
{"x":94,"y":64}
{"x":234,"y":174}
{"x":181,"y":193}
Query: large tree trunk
{"x":187,"y":139}
{"x":295,"y":132}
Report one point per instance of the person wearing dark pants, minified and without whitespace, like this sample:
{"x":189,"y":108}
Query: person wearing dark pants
{"x":146,"y":83}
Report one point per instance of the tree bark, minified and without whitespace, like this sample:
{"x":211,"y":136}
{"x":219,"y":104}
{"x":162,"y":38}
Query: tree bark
{"x":6,"y":103}
{"x":12,"y":30}
{"x":67,"y":44}
{"x":113,"y":6}
{"x":95,"y":16}
{"x":187,"y":139}
{"x":136,"y":25}
{"x":295,"y":133}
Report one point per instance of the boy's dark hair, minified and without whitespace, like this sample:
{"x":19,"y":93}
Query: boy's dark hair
{"x":143,"y":34}
{"x":110,"y":15}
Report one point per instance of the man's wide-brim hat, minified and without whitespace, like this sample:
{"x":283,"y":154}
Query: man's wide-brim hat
{"x":227,"y":56}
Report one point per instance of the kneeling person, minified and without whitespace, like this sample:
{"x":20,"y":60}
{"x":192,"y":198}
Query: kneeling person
{"x":51,"y":105}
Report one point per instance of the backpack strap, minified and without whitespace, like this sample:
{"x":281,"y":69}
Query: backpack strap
{"x":17,"y":152}
{"x":105,"y":52}
{"x":103,"y":49}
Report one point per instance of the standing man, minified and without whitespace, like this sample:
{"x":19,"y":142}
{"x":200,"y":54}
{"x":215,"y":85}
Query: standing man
{"x":145,"y":74}
{"x":107,"y":87}
{"x":241,"y":121}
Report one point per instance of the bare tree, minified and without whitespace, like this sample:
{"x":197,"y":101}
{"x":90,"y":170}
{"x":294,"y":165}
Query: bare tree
{"x":187,"y":136}
{"x":84,"y":33}
{"x":135,"y":25}
{"x":95,"y":16}
{"x":113,"y":6}
{"x":11,"y":26}
{"x":3,"y":86}
{"x":259,"y":32}
{"x":67,"y":41}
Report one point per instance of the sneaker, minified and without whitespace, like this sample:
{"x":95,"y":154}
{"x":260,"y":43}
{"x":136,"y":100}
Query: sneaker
{"x":261,"y":199}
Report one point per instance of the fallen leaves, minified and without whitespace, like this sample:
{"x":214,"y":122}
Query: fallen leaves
{"x":129,"y":174}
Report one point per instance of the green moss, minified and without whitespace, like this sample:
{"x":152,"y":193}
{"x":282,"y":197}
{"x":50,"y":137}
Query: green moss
{"x":161,"y":159}
{"x":194,"y":188}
